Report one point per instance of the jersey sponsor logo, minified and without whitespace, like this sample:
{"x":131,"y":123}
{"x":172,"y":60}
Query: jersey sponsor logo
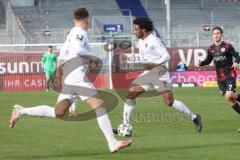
{"x":79,"y":37}
{"x":19,"y":67}
{"x":219,"y":58}
{"x":223,"y":49}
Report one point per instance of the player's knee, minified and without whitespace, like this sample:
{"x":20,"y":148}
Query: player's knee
{"x":168,"y":98}
{"x":130,"y":102}
{"x":95,"y":102}
{"x":134,"y":92}
{"x":229,"y":95}
{"x":169,"y":102}
{"x":61,"y":108}
{"x":99,"y":103}
{"x":59,"y":114}
{"x":130,"y":95}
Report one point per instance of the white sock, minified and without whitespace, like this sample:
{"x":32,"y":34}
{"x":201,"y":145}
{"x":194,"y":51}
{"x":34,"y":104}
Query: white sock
{"x":41,"y":111}
{"x":73,"y":106}
{"x":105,"y":125}
{"x":182,"y":108}
{"x":129,"y":106}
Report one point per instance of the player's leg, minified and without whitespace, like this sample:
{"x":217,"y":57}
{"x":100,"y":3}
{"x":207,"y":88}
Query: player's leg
{"x":178,"y":105}
{"x":181,"y":107}
{"x":130,"y":101}
{"x":63,"y":104}
{"x":237,"y":96}
{"x":86,"y":91}
{"x":61,"y":108}
{"x":72,"y":82}
{"x":91,"y":97}
{"x":40,"y":111}
{"x":231,"y":98}
{"x":105,"y":125}
{"x":138,"y":86}
{"x":47,"y":75}
{"x":162,"y":84}
{"x":72,"y":109}
{"x":230,"y":95}
{"x":51,"y":80}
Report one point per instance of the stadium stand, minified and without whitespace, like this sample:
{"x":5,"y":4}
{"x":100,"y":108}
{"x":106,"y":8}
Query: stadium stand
{"x":188,"y":18}
{"x":49,"y":16}
{"x":134,"y":5}
{"x":9,"y":29}
{"x":2,"y":16}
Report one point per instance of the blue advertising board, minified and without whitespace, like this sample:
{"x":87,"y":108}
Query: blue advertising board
{"x":113,"y":27}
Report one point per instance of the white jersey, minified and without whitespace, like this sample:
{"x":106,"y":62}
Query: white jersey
{"x":152,"y":50}
{"x":76,"y":44}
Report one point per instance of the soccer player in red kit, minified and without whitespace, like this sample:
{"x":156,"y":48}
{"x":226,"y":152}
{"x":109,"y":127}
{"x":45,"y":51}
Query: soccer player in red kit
{"x":226,"y":61}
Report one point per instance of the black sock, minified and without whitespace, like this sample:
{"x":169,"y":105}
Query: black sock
{"x":236,"y":107}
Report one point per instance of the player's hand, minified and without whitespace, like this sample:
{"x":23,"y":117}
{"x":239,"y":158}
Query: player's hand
{"x":148,"y":66}
{"x":59,"y":72}
{"x":94,"y":63}
{"x":235,"y":66}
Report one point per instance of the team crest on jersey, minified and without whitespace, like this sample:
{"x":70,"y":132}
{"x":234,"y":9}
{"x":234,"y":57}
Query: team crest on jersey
{"x":79,"y":37}
{"x":146,"y":45}
{"x":223,"y":49}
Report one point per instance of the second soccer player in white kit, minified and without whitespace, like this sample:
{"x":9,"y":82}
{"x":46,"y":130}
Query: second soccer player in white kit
{"x":153,"y":56}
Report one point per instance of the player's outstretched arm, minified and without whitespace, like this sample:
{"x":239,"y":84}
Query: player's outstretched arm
{"x":59,"y":71}
{"x":94,"y":62}
{"x":208,"y":59}
{"x":235,"y":54}
{"x":164,"y":56}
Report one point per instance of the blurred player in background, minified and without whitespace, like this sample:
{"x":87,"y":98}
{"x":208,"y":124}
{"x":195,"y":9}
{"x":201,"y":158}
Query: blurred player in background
{"x":153,"y":56}
{"x":49,"y":63}
{"x":75,"y":47}
{"x":222,"y":54}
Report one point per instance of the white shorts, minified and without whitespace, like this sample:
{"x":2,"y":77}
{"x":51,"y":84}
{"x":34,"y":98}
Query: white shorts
{"x":81,"y":84}
{"x":154,"y":78}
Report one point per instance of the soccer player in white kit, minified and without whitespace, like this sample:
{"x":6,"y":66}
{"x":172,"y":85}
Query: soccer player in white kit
{"x":75,"y":47}
{"x":153,"y":56}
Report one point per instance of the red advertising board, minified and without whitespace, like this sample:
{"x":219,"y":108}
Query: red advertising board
{"x":22,"y":82}
{"x":120,"y":80}
{"x":33,"y":82}
{"x":21,"y":71}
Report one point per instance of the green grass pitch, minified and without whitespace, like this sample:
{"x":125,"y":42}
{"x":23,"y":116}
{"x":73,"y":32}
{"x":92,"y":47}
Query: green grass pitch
{"x":160,"y":132}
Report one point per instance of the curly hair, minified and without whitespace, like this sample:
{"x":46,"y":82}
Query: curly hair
{"x":144,"y":23}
